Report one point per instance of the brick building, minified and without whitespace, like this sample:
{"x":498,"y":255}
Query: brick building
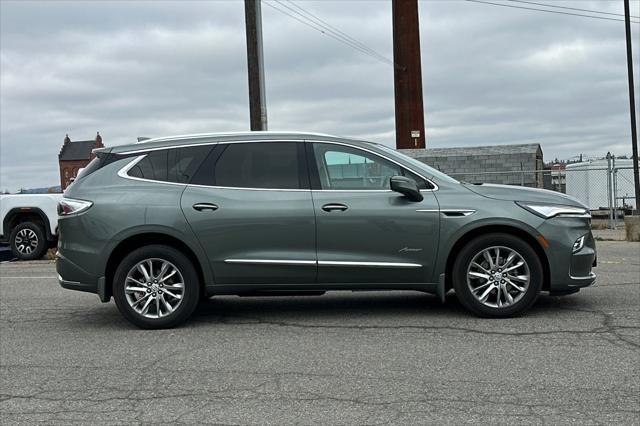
{"x":75,"y":155}
{"x":556,"y":176}
{"x":503,"y":164}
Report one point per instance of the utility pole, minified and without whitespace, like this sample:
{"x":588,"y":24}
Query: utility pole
{"x":407,"y":75}
{"x":255,"y":65}
{"x":632,"y":104}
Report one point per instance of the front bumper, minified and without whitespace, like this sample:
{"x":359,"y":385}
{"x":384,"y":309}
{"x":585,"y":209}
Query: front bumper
{"x":582,"y":262}
{"x":569,"y":271}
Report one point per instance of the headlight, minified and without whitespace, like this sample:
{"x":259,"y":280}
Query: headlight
{"x":69,"y":206}
{"x":552,"y":210}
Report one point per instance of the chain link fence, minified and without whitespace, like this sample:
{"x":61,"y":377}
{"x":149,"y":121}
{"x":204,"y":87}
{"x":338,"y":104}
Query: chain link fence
{"x":606,"y":187}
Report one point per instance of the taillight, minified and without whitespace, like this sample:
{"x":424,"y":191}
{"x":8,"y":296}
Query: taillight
{"x":69,"y":206}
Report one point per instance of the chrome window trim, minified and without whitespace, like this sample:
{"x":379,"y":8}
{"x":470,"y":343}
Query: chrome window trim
{"x":207,"y":143}
{"x":249,"y":189}
{"x":123,"y":171}
{"x":275,"y":133}
{"x":351,"y":190}
{"x":139,"y":151}
{"x":362,"y":190}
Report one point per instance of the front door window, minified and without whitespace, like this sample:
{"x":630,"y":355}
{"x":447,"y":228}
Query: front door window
{"x":345,"y":168}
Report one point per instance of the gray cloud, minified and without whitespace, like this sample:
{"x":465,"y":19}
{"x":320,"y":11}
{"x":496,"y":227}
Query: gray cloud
{"x":127,"y":69}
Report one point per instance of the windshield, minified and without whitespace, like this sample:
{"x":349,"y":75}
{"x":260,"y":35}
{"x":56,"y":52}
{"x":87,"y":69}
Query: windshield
{"x":437,"y":174}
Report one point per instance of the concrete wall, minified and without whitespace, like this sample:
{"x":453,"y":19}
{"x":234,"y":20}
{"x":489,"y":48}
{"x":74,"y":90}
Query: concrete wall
{"x":476,"y":165}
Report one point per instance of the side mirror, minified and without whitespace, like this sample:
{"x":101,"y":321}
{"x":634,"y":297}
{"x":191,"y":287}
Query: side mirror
{"x":406,"y":187}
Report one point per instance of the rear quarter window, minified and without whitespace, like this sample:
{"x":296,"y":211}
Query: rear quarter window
{"x":176,"y":165}
{"x":93,"y":165}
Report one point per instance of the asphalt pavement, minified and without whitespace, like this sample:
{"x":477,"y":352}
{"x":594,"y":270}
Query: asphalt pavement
{"x":341,"y":358}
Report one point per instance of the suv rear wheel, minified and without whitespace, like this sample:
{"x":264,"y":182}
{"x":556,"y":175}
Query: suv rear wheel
{"x":28,"y":241}
{"x":156,"y":286}
{"x":497,"y":275}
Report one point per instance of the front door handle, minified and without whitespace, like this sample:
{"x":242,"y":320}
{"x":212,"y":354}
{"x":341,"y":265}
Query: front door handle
{"x":205,"y":206}
{"x":334,"y":206}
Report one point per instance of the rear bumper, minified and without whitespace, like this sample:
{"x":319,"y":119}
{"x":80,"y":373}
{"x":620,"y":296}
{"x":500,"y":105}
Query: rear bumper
{"x":72,"y":277}
{"x":75,"y":285}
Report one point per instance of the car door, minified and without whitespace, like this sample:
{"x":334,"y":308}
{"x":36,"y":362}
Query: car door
{"x":251,"y":209}
{"x":367,"y":233}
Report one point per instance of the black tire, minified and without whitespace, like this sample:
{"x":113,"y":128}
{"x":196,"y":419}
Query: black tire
{"x":20,"y":245}
{"x":475,"y":247}
{"x":190,"y":297}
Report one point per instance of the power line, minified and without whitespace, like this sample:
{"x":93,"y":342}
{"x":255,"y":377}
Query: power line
{"x":313,"y":26}
{"x":571,"y":8}
{"x":318,"y":24}
{"x":336,"y":30}
{"x":327,"y":29}
{"x":548,"y":11}
{"x":328,"y":32}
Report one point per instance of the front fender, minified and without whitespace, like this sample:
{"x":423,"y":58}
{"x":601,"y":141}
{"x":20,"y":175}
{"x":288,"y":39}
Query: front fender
{"x":454,"y":230}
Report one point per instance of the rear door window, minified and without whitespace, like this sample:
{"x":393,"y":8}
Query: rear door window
{"x":261,"y":165}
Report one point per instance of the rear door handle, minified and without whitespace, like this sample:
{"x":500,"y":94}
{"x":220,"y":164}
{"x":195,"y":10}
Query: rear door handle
{"x":205,"y":206}
{"x":334,"y":206}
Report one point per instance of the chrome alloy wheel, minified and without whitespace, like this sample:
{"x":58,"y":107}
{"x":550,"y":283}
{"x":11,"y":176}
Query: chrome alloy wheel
{"x":154,"y":288}
{"x":498,"y":277}
{"x":26,"y":241}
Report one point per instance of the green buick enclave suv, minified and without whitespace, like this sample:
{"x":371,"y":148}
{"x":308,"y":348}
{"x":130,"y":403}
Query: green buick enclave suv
{"x":162,"y":224}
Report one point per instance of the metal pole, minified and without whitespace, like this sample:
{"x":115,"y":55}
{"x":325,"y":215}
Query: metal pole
{"x":632,"y":104}
{"x":255,"y":64}
{"x":609,"y":190}
{"x":614,"y":178}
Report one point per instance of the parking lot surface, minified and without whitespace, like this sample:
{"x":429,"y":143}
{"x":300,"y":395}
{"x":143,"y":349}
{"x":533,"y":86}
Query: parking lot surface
{"x":342,"y":358}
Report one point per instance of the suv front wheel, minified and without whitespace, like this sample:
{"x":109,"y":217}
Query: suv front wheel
{"x":156,"y":286}
{"x":497,"y":275}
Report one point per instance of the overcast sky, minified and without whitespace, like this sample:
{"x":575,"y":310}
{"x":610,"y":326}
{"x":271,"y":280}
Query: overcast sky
{"x":491,"y":75}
